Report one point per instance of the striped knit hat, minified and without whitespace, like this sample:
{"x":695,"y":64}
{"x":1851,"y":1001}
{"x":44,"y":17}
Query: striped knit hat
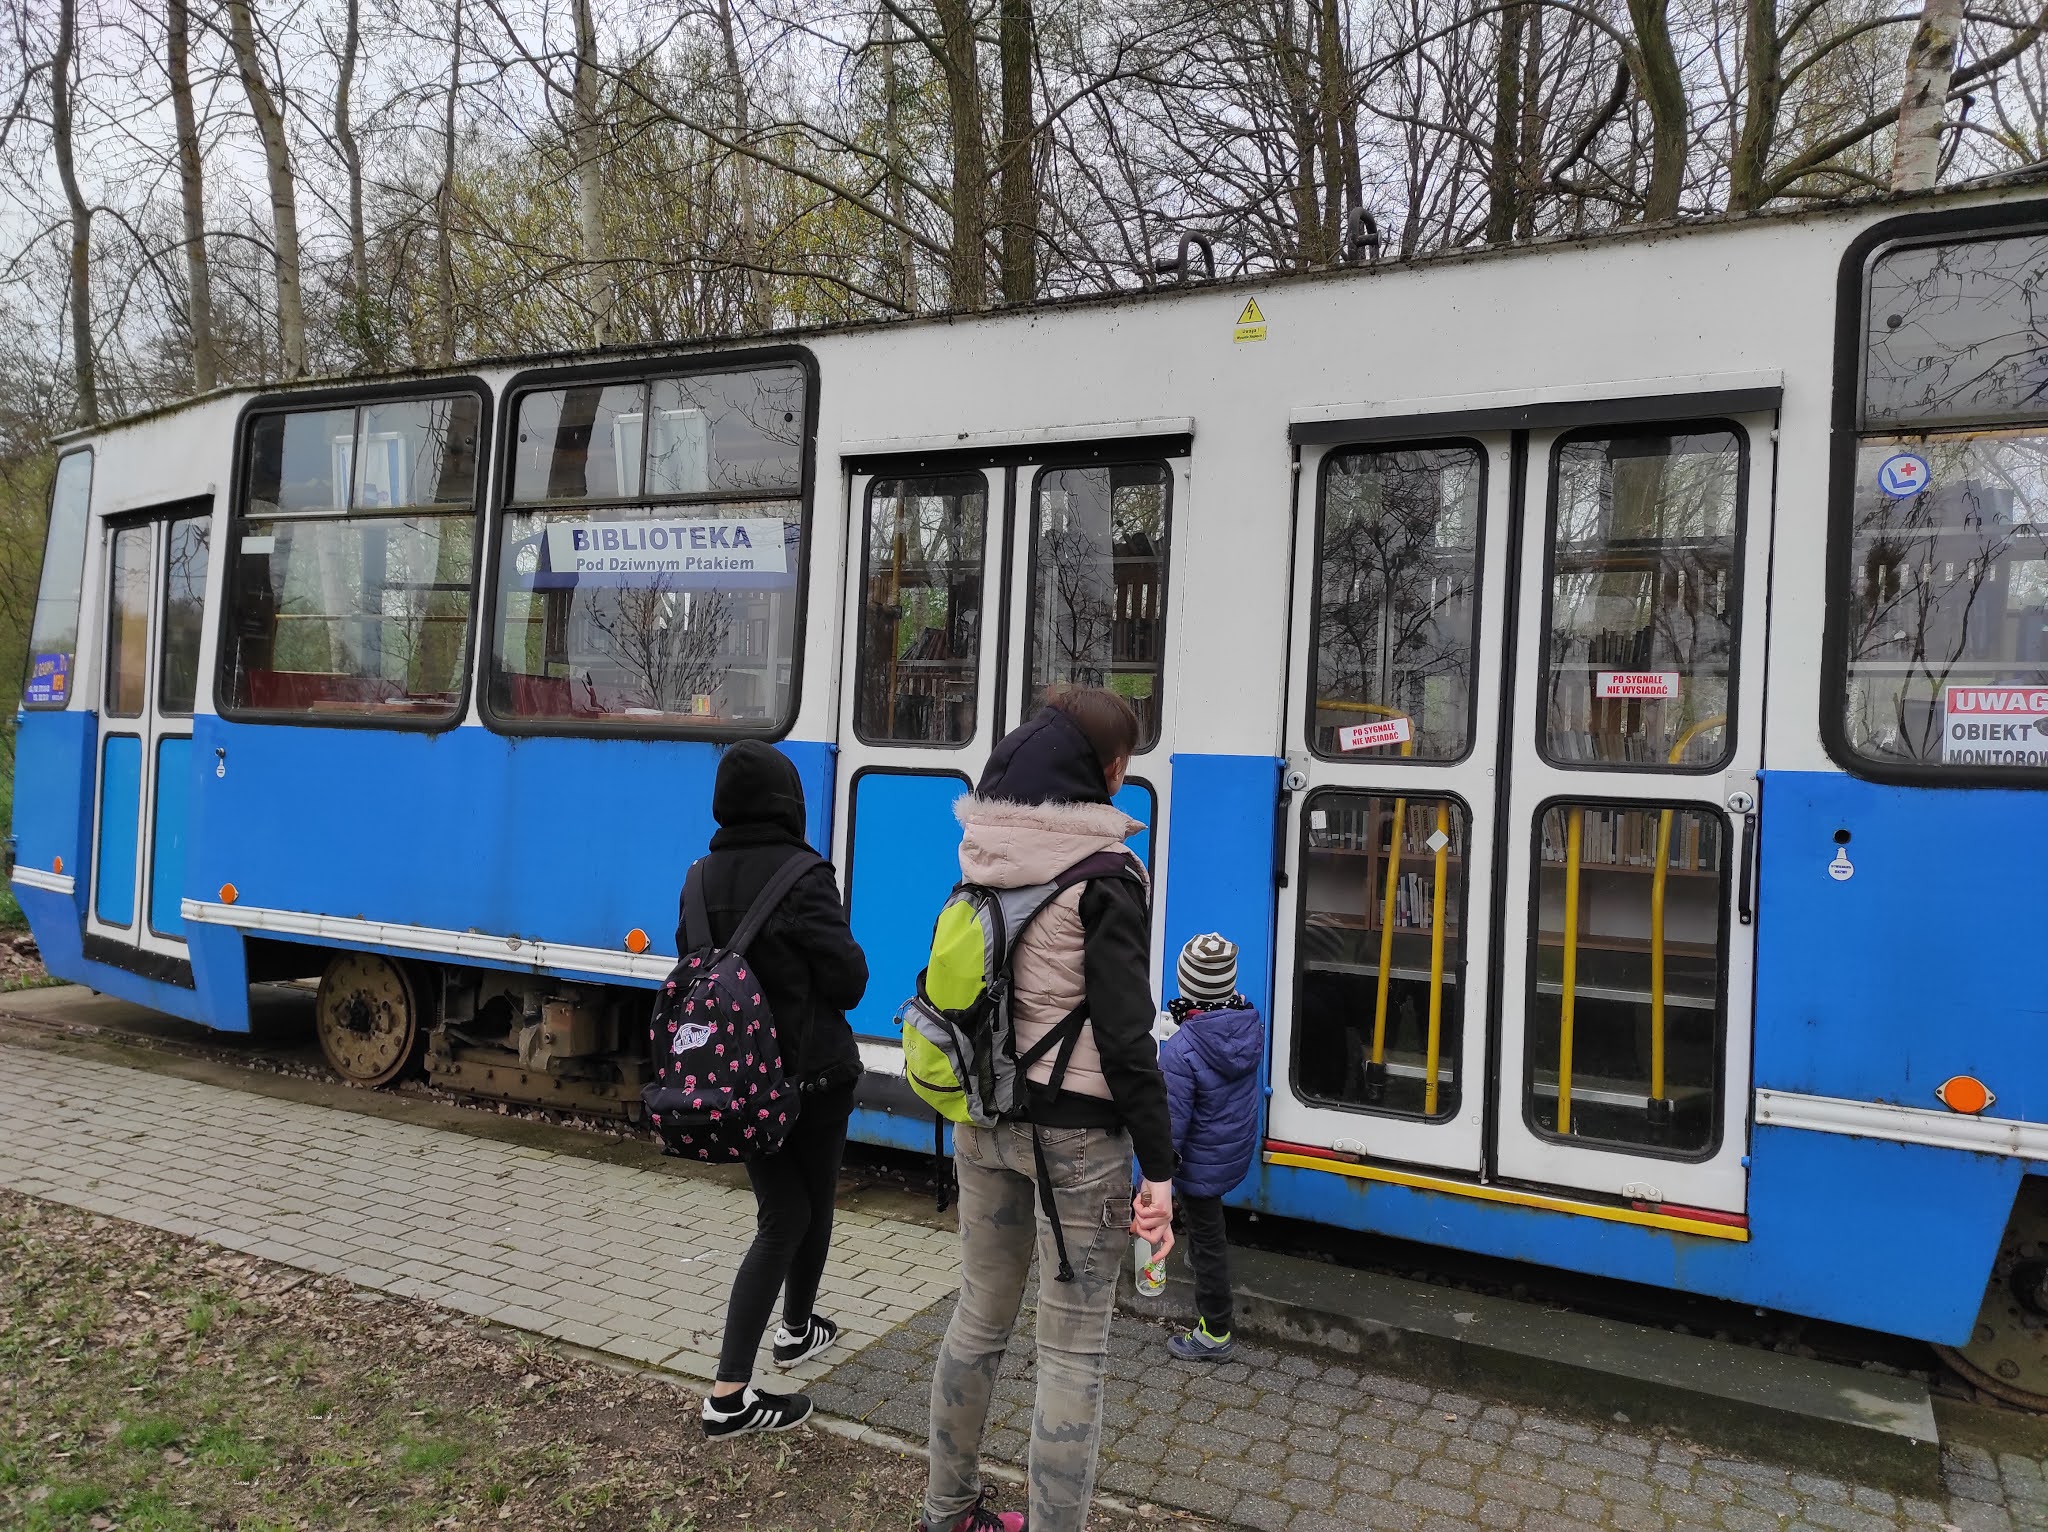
{"x":1208,"y":970}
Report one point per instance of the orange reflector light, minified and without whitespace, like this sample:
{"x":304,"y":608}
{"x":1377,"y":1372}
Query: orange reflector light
{"x":1965,"y":1094}
{"x":56,"y":864}
{"x":227,"y":893}
{"x":636,"y":941}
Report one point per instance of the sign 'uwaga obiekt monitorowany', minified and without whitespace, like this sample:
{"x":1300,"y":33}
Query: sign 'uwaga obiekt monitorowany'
{"x":677,"y":555}
{"x":1994,"y":726}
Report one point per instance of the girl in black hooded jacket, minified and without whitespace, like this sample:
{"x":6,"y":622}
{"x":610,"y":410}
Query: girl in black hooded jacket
{"x":812,"y":972}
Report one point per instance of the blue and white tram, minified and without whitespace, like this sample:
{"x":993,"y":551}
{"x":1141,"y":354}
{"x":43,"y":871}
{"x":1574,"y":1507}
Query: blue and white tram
{"x":1602,"y":687}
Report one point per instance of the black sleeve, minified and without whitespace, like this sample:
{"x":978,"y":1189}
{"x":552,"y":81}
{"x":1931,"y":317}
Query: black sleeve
{"x":813,"y":917}
{"x":1117,"y":969}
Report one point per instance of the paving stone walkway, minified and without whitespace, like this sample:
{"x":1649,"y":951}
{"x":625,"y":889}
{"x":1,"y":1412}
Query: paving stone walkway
{"x":557,"y":1244}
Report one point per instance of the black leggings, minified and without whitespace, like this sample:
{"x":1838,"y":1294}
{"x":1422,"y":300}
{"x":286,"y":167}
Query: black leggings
{"x":794,"y":1189}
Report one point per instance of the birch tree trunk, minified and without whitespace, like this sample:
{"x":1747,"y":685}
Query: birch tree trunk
{"x":960,"y":60}
{"x":753,"y":307}
{"x":192,"y":193}
{"x":85,"y":371}
{"x":1930,"y":65}
{"x":360,"y":321}
{"x":284,"y":197}
{"x":1015,"y":158}
{"x":444,"y":199}
{"x":586,"y":148}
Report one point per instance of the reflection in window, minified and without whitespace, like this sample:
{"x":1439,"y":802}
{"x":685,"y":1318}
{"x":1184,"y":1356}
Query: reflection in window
{"x":353,"y":559}
{"x":1382,"y":953}
{"x":1624,"y":1039}
{"x":1957,"y":333}
{"x":128,"y":623}
{"x":727,"y":433}
{"x":920,"y":636}
{"x":1947,"y":629}
{"x":1098,"y":603}
{"x":1644,"y":580}
{"x":53,"y":636}
{"x":185,"y":559}
{"x":1395,"y":614}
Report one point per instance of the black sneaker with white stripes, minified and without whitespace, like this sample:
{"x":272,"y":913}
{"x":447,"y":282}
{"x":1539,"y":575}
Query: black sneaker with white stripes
{"x":753,"y":1410}
{"x":802,"y":1345}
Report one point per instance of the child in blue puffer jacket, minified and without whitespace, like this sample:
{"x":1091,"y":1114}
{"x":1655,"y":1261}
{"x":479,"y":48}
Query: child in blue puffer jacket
{"x":1211,"y":1064}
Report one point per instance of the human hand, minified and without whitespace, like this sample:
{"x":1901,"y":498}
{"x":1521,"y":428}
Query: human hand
{"x":1152,"y":1216}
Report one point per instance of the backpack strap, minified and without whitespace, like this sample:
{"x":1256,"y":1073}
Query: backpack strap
{"x":696,"y":919}
{"x":786,"y":877}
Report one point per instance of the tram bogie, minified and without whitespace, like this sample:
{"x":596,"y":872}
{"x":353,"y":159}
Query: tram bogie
{"x":1599,"y":687}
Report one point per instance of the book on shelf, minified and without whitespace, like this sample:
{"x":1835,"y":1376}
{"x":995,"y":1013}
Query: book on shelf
{"x":1615,"y":837}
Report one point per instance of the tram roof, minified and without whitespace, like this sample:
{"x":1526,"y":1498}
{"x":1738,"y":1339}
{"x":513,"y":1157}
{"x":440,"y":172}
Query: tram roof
{"x":2031,"y":176}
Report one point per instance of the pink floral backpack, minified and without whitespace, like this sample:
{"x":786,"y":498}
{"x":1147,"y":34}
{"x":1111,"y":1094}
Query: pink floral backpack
{"x":719,"y":1091}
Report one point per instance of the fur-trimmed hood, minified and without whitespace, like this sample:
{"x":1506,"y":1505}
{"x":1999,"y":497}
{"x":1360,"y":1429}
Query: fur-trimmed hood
{"x":1013,"y":845}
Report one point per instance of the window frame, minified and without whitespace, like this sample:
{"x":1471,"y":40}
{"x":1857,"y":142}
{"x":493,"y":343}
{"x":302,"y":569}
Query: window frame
{"x":1845,"y":439}
{"x":116,"y":529}
{"x":1065,"y":463}
{"x":1723,"y":996}
{"x":982,"y":625}
{"x":351,"y":398}
{"x":1466,"y":1008}
{"x":85,"y":556}
{"x":646,"y":369}
{"x":1737,"y":615}
{"x":1315,"y":615}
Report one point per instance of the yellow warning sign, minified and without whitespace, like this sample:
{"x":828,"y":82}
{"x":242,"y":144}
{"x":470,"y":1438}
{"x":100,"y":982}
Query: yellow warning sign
{"x":1251,"y":324}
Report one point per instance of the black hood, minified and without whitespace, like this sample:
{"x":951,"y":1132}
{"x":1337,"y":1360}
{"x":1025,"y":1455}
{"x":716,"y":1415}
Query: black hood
{"x":1047,"y":760}
{"x":757,"y":786}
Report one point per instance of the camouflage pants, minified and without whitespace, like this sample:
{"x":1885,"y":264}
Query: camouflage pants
{"x":1002,"y":1226}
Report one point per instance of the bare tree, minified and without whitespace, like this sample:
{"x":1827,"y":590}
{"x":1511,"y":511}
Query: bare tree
{"x":1653,"y":60}
{"x":366,"y":332}
{"x":444,"y":199}
{"x":284,"y":197}
{"x":959,"y":58}
{"x":84,"y":366}
{"x":192,"y":194}
{"x":1016,"y":159}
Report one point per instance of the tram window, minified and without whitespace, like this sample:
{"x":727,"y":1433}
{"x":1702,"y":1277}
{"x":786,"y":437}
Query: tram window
{"x":354,"y":561}
{"x":1955,"y":334}
{"x":677,"y":606}
{"x":53,"y":635}
{"x":1396,"y":608}
{"x":187,"y":553}
{"x":1947,"y":612}
{"x":1627,"y":999}
{"x":1643,"y":589}
{"x":128,"y":623}
{"x":727,"y":433}
{"x":1382,"y":945}
{"x":1098,"y":603}
{"x":920,"y":635}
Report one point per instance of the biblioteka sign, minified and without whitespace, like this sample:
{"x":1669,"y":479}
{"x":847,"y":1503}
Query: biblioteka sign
{"x":1370,"y":736}
{"x":1635,"y":683}
{"x":1994,"y":726}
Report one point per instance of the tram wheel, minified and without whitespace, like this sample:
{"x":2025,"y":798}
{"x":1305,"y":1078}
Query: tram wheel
{"x":2007,"y":1354}
{"x":367,"y":1018}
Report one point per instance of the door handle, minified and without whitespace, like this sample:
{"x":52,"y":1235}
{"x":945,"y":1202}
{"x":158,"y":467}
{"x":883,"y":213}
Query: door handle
{"x":1745,"y":898}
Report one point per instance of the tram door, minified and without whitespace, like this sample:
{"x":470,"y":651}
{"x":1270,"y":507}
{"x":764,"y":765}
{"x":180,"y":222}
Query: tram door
{"x":971,"y":587}
{"x":155,"y":569}
{"x":1529,"y":712}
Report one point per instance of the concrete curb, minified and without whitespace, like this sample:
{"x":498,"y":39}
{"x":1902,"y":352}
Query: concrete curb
{"x":1812,"y":1415}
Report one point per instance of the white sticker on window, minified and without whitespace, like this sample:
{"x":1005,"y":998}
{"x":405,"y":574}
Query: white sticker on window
{"x":1994,"y":726}
{"x":267,"y":543}
{"x":1437,"y":840}
{"x":1368,"y":736}
{"x":1635,"y":683}
{"x":1318,"y":819}
{"x":1903,"y":474}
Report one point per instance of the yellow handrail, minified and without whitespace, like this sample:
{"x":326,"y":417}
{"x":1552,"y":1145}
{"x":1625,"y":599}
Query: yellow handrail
{"x":1657,"y":883}
{"x":1392,"y":884}
{"x":1574,"y":832}
{"x":1436,"y":959}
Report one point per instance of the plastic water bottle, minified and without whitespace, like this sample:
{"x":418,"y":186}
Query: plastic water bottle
{"x":1151,"y":1270}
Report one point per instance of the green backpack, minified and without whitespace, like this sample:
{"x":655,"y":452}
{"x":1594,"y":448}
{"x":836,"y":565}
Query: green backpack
{"x":959,"y":1039}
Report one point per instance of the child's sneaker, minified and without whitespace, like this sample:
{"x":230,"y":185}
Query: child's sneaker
{"x":752,"y":1410}
{"x":979,"y":1518}
{"x":816,"y":1335}
{"x":1199,"y":1345}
